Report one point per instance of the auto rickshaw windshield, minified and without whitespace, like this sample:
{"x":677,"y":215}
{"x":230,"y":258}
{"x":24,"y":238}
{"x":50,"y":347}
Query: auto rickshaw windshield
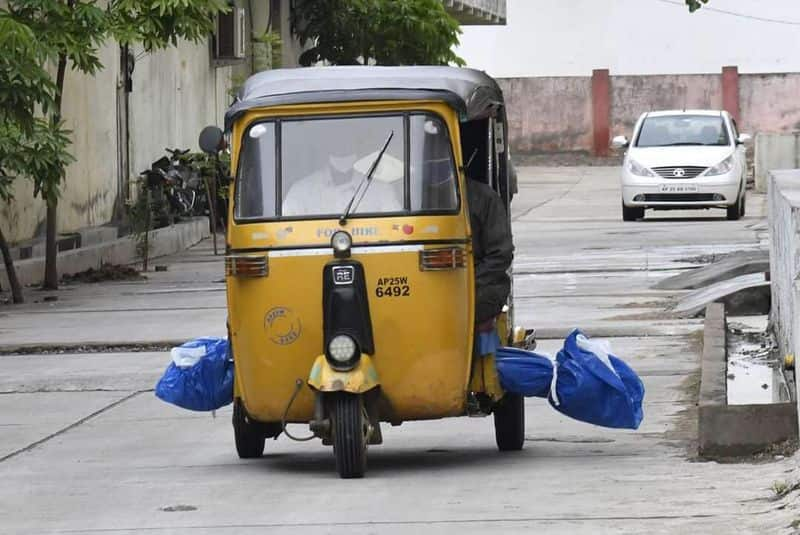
{"x":324,"y":160}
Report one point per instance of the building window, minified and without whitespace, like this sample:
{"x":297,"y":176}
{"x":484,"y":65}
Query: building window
{"x":229,"y":39}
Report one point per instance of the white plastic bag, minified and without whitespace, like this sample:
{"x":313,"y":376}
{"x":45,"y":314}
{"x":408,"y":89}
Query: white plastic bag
{"x":186,"y":357}
{"x":601,"y":349}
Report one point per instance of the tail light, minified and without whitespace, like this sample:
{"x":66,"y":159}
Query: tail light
{"x":246,"y":266}
{"x":442,"y":259}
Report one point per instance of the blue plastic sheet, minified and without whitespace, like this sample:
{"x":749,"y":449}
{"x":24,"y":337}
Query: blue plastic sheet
{"x":591,"y":385}
{"x":588,"y":390}
{"x":205,"y":386}
{"x":524,"y":372}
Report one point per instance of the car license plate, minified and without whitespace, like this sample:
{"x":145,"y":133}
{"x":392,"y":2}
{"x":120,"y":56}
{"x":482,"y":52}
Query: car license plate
{"x":678,"y":188}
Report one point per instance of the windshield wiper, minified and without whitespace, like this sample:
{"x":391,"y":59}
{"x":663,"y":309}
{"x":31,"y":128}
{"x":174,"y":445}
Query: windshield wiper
{"x":367,"y":179}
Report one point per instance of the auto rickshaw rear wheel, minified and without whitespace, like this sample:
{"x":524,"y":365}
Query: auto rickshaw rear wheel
{"x":350,"y":434}
{"x":248,"y":434}
{"x":509,"y":422}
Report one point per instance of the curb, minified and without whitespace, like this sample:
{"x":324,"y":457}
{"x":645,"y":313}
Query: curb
{"x":734,"y":430}
{"x":164,"y":241}
{"x":88,"y":347}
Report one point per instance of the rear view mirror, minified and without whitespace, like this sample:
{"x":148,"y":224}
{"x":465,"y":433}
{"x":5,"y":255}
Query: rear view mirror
{"x":619,"y":142}
{"x":743,"y":138}
{"x":211,"y":140}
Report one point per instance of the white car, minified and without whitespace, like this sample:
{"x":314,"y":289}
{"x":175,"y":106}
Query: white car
{"x":684,"y":159}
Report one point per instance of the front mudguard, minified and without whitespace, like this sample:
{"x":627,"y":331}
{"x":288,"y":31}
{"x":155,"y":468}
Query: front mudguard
{"x":362,"y":378}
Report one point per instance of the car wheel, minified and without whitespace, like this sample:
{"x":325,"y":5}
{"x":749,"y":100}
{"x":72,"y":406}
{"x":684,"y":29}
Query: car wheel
{"x":734,"y":211}
{"x":744,"y":203}
{"x":630,"y":213}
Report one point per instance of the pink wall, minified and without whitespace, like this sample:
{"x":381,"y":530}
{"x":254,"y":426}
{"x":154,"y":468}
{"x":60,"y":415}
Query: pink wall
{"x":549,"y":114}
{"x":554,"y":114}
{"x":633,"y":95}
{"x":769,"y":102}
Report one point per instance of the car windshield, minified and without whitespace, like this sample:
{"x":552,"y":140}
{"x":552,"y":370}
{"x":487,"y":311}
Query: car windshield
{"x":687,"y":130}
{"x":313,"y":167}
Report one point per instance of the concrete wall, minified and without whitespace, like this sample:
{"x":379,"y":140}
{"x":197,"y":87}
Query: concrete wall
{"x":784,"y":226}
{"x":549,"y":114}
{"x":291,"y":49}
{"x":784,"y":259}
{"x":775,"y":151}
{"x":176,"y":92}
{"x":633,"y":95}
{"x":770,"y":102}
{"x":89,"y":110}
{"x":555,"y":113}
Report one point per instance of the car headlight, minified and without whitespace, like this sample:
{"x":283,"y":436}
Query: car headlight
{"x":638,"y":169}
{"x":341,"y":349}
{"x":722,"y":167}
{"x":341,"y":243}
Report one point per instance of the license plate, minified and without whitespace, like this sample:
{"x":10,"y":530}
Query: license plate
{"x":678,"y":188}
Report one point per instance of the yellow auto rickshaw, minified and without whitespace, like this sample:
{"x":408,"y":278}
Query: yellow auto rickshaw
{"x":349,"y":267}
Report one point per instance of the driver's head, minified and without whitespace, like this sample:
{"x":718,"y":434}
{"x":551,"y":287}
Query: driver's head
{"x":342,"y":152}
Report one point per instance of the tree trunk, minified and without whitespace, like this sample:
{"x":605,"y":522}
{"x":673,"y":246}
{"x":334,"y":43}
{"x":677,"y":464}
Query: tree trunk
{"x":51,"y":247}
{"x":16,"y":289}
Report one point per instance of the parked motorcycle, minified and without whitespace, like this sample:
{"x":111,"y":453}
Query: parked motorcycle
{"x":180,"y":184}
{"x":185,"y":183}
{"x":156,"y":186}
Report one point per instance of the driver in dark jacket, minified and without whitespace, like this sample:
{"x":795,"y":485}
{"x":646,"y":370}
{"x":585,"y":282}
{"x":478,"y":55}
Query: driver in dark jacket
{"x":493,"y":252}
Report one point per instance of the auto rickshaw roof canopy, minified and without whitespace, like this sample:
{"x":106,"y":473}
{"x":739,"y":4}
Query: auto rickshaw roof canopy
{"x":472,"y":93}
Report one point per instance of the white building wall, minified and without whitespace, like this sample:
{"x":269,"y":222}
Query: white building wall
{"x":90,"y":187}
{"x":176,"y":92}
{"x":573,"y":37}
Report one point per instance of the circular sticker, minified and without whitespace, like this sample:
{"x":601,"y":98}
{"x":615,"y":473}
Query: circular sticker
{"x":282,"y":325}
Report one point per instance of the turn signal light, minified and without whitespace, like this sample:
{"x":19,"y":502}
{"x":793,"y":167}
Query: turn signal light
{"x":442,"y":259}
{"x":246,"y":266}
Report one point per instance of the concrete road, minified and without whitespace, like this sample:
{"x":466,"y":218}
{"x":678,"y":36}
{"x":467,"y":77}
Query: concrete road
{"x":86,"y":448}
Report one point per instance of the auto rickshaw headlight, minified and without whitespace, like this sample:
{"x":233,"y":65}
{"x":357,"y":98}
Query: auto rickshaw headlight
{"x":341,"y":243}
{"x":342,"y":349}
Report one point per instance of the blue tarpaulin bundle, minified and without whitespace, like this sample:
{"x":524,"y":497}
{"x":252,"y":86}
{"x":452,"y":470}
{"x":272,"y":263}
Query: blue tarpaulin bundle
{"x":524,"y":372}
{"x":586,"y":381}
{"x":200,"y":378}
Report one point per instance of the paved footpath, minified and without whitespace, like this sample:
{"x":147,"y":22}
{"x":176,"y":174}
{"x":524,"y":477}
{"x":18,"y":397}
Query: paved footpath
{"x":86,"y":448}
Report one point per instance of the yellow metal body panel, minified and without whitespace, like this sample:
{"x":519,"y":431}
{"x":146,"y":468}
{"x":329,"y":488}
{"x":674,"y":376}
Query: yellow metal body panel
{"x":362,"y":378}
{"x":423,"y":340}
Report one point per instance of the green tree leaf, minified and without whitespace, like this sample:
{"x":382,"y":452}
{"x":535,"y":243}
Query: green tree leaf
{"x":382,"y":32}
{"x":694,"y":5}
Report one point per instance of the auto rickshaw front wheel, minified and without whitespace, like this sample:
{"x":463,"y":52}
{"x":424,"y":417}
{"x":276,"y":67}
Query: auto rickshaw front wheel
{"x":509,"y":422}
{"x":351,"y":430}
{"x":248,"y":434}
